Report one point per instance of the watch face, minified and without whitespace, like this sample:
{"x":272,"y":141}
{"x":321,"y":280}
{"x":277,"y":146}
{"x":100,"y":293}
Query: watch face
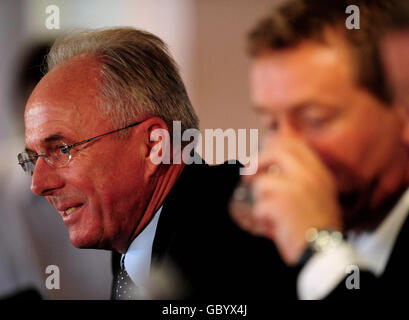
{"x":326,"y":240}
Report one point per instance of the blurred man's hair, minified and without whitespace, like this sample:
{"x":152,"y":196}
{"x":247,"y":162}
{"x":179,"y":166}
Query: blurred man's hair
{"x":293,"y":21}
{"x":395,"y":14}
{"x":138,"y":74}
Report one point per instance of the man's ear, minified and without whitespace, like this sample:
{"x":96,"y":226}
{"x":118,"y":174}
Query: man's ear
{"x":157,"y":143}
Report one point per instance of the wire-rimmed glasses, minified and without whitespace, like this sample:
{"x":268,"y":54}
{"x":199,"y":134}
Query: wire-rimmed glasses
{"x":59,"y":155}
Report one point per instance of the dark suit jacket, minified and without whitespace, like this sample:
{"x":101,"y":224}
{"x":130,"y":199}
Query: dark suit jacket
{"x":213,"y":256}
{"x":218,"y":260}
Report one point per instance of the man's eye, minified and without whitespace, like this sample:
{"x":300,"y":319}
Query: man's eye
{"x":316,"y":119}
{"x":64,"y":149}
{"x":271,"y":124}
{"x":57,"y":150}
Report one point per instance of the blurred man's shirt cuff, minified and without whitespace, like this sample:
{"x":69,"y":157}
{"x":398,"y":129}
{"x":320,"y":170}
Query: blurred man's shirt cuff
{"x":369,"y":250}
{"x":324,"y":271}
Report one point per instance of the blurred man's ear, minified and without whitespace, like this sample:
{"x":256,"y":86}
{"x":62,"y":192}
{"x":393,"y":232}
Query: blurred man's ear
{"x":405,"y":115}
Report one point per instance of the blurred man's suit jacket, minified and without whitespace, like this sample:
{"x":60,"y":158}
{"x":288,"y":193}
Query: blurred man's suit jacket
{"x":212,"y":255}
{"x":394,"y":281}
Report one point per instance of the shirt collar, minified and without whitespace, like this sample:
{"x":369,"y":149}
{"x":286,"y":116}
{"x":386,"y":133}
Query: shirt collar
{"x":137,"y":259}
{"x":375,"y":248}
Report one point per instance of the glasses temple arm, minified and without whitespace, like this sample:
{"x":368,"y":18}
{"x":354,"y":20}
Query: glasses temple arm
{"x":104,"y":134}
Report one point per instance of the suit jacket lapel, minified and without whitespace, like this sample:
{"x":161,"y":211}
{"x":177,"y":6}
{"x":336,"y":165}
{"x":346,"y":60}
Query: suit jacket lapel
{"x":175,"y":208}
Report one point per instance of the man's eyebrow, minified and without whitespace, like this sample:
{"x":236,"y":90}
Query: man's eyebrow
{"x":54,"y":137}
{"x":293,"y":107}
{"x":51,"y":138}
{"x":311,"y":104}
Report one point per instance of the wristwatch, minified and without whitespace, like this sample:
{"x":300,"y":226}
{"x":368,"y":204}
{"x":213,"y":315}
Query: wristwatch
{"x":320,"y":240}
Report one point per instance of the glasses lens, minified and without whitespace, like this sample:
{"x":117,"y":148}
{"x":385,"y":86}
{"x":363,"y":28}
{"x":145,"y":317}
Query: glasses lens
{"x":59,"y":155}
{"x":26,"y":163}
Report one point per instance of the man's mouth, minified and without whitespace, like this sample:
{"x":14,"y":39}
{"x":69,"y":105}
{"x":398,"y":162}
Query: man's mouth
{"x":70,"y":210}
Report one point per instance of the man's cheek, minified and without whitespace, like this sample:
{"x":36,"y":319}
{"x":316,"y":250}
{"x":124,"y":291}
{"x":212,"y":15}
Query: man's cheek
{"x":336,"y":167}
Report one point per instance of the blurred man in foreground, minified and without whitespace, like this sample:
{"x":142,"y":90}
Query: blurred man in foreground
{"x":331,"y":190}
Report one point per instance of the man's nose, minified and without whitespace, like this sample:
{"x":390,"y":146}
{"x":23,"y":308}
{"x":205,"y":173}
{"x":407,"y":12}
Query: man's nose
{"x":288,"y":130}
{"x":45,"y":179}
{"x":284,"y":129}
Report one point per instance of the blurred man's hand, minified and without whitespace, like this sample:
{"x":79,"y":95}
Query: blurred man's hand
{"x":293,"y":192}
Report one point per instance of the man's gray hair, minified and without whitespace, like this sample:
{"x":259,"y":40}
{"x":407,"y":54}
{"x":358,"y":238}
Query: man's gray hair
{"x":138,"y":75}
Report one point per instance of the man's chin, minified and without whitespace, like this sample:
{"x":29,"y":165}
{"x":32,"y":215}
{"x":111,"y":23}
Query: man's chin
{"x":88,"y":242}
{"x":359,"y":215}
{"x":353,"y":210}
{"x":83,"y":242}
{"x":354,"y":198}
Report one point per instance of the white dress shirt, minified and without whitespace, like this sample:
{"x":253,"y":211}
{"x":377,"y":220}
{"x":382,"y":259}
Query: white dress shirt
{"x":369,"y":250}
{"x":137,"y":259}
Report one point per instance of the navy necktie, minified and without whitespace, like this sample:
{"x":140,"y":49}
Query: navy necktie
{"x":125,"y":288}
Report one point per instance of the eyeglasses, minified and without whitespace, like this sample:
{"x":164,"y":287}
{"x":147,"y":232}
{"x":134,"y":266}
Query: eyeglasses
{"x":59,"y":155}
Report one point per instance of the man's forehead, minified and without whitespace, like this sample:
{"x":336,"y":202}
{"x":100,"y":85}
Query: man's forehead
{"x":295,"y":75}
{"x":39,"y":114}
{"x":75,"y":81}
{"x":43,"y":121}
{"x":297,"y":63}
{"x":64,"y":100}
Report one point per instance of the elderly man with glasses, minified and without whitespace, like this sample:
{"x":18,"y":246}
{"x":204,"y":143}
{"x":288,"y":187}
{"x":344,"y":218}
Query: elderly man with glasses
{"x":89,"y":126}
